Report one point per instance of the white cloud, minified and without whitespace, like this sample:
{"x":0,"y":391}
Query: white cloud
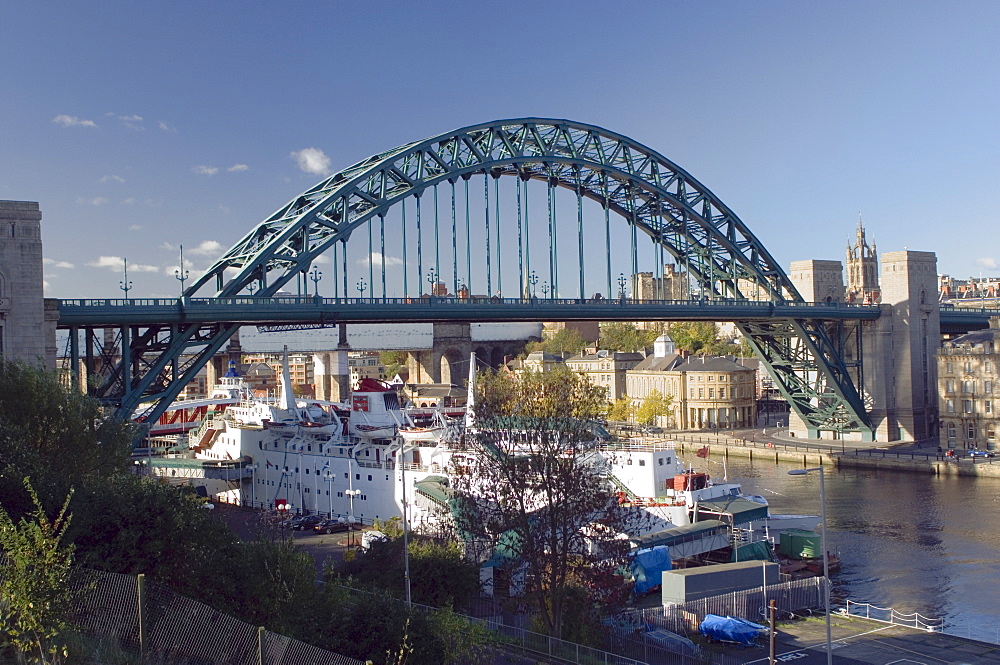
{"x":377,"y":260}
{"x":112,"y":178}
{"x":988,"y":262}
{"x":98,"y":201}
{"x":207,"y":248}
{"x":312,"y":160}
{"x":205,"y":170}
{"x":129,"y":201}
{"x":238,"y":167}
{"x":118,"y":263}
{"x":57,"y":264}
{"x":72,"y":121}
{"x":135,"y":227}
{"x":130,"y":118}
{"x":166,"y":127}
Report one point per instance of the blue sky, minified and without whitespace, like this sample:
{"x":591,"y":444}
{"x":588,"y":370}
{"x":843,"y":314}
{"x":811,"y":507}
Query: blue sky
{"x":142,"y":126}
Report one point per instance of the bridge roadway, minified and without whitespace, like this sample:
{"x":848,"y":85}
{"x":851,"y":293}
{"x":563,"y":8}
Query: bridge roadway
{"x":311,"y":309}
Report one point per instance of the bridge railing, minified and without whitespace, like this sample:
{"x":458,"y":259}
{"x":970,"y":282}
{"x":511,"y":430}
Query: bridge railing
{"x":257,"y":301}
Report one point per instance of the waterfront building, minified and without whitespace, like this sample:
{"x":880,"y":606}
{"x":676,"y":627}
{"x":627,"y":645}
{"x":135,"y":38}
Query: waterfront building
{"x":606,"y":369}
{"x":967,"y":373}
{"x":708,"y":392}
{"x":365,"y":365}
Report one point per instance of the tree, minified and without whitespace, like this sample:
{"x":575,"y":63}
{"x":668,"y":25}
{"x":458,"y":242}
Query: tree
{"x":654,"y":405}
{"x":621,"y":410}
{"x":567,"y":341}
{"x":35,"y":593}
{"x":394,"y":361}
{"x":694,"y":336}
{"x":55,"y":436}
{"x":533,"y":489}
{"x":627,"y":338}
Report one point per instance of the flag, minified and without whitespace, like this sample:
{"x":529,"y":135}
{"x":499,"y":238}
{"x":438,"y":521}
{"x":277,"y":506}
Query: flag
{"x":269,"y":465}
{"x":702,"y":452}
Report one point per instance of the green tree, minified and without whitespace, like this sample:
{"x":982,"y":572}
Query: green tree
{"x":694,"y":336}
{"x":35,"y":593}
{"x":621,"y":410}
{"x":627,"y":338}
{"x":566,"y":341}
{"x":653,"y":405}
{"x":55,"y":436}
{"x":533,"y":492}
{"x":394,"y":361}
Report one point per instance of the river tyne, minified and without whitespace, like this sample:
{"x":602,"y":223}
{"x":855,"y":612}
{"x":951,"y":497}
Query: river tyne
{"x":913,"y":542}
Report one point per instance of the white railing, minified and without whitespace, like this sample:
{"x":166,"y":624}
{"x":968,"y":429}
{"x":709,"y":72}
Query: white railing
{"x":890,"y":615}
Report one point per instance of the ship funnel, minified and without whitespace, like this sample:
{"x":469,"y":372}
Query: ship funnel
{"x":287,"y":396}
{"x":470,"y":401}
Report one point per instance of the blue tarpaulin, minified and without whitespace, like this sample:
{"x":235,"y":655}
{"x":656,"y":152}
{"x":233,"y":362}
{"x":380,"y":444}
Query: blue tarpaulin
{"x":730,"y":629}
{"x":648,"y":566}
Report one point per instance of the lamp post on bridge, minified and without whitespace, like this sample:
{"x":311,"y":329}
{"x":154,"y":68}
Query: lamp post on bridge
{"x":545,"y":290}
{"x":362,"y":285}
{"x":532,"y":280}
{"x":315,"y":276}
{"x":622,"y":281}
{"x":432,"y":279}
{"x":125,"y":284}
{"x":826,"y":556}
{"x":181,"y":274}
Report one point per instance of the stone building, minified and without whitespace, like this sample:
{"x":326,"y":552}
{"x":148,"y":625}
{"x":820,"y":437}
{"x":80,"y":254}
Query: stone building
{"x":27,"y":324}
{"x":967,"y":369}
{"x":605,"y":368}
{"x":862,"y":270}
{"x":365,"y":365}
{"x":707,"y":392}
{"x":673,"y":285}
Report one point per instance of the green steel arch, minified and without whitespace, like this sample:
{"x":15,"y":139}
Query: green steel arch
{"x":651,"y":194}
{"x":636,"y":182}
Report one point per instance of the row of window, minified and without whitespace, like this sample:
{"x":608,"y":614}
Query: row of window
{"x":970,"y":431}
{"x":967,"y":367}
{"x":968,"y":406}
{"x":967,"y":386}
{"x":306,"y":490}
{"x":735,"y":393}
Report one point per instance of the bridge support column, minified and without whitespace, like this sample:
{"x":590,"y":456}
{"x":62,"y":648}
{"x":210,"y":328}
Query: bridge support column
{"x":441,"y":363}
{"x":900,"y":373}
{"x":332,"y":372}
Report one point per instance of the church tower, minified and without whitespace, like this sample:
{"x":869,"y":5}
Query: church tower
{"x":862,"y":270}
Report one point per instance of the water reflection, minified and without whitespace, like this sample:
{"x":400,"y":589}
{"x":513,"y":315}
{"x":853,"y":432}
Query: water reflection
{"x":917,"y":543}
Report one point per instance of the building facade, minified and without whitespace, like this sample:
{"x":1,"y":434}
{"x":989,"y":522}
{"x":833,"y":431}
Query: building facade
{"x":967,"y":374}
{"x":27,"y":327}
{"x":606,"y":369}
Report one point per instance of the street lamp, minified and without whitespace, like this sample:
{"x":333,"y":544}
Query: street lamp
{"x":532,"y":280}
{"x":315,"y":276}
{"x":126,"y":285}
{"x":622,"y":281}
{"x":432,"y":278}
{"x":361,"y":286}
{"x":545,"y":289}
{"x":826,"y":556}
{"x":181,"y":274}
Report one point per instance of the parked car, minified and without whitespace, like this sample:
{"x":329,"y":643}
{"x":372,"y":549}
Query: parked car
{"x":304,"y":522}
{"x":981,"y":453}
{"x":332,"y":526}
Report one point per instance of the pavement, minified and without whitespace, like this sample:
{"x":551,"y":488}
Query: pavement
{"x":859,"y":641}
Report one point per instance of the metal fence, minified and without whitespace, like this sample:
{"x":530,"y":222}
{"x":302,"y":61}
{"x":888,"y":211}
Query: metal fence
{"x":121,"y":618}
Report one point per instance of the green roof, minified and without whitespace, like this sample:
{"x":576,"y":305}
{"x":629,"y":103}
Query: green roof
{"x":740,"y":511}
{"x":680,"y":534}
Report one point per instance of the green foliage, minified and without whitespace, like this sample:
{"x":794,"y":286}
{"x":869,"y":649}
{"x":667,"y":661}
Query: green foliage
{"x":131,"y":525}
{"x":566,"y":341}
{"x":53,"y":435}
{"x":394,"y":361}
{"x":694,"y":336}
{"x":440,"y":575}
{"x":627,"y":338}
{"x":35,"y":596}
{"x":621,"y":410}
{"x":653,"y":405}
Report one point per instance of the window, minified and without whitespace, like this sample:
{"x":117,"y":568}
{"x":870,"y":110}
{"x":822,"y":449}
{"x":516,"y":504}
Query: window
{"x":970,"y":431}
{"x":722,"y":378}
{"x":949,"y":367}
{"x":949,"y":386}
{"x":987,"y":367}
{"x":991,"y":432}
{"x":950,"y":405}
{"x":968,"y":367}
{"x":968,"y":386}
{"x":711,"y":393}
{"x":988,"y":406}
{"x":701,"y":392}
{"x":988,"y":387}
{"x":966,"y":406}
{"x":711,"y":378}
{"x":722,"y":393}
{"x":951,"y":431}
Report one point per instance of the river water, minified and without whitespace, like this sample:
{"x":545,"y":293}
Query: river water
{"x":913,"y":542}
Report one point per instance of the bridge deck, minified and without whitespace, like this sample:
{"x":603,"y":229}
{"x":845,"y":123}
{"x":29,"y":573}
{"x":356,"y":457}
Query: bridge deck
{"x":306,"y":309}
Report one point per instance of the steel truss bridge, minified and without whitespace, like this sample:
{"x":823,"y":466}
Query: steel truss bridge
{"x":527,"y":219}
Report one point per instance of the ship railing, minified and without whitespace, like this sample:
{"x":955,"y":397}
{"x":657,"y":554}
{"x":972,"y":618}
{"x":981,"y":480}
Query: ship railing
{"x":890,"y":615}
